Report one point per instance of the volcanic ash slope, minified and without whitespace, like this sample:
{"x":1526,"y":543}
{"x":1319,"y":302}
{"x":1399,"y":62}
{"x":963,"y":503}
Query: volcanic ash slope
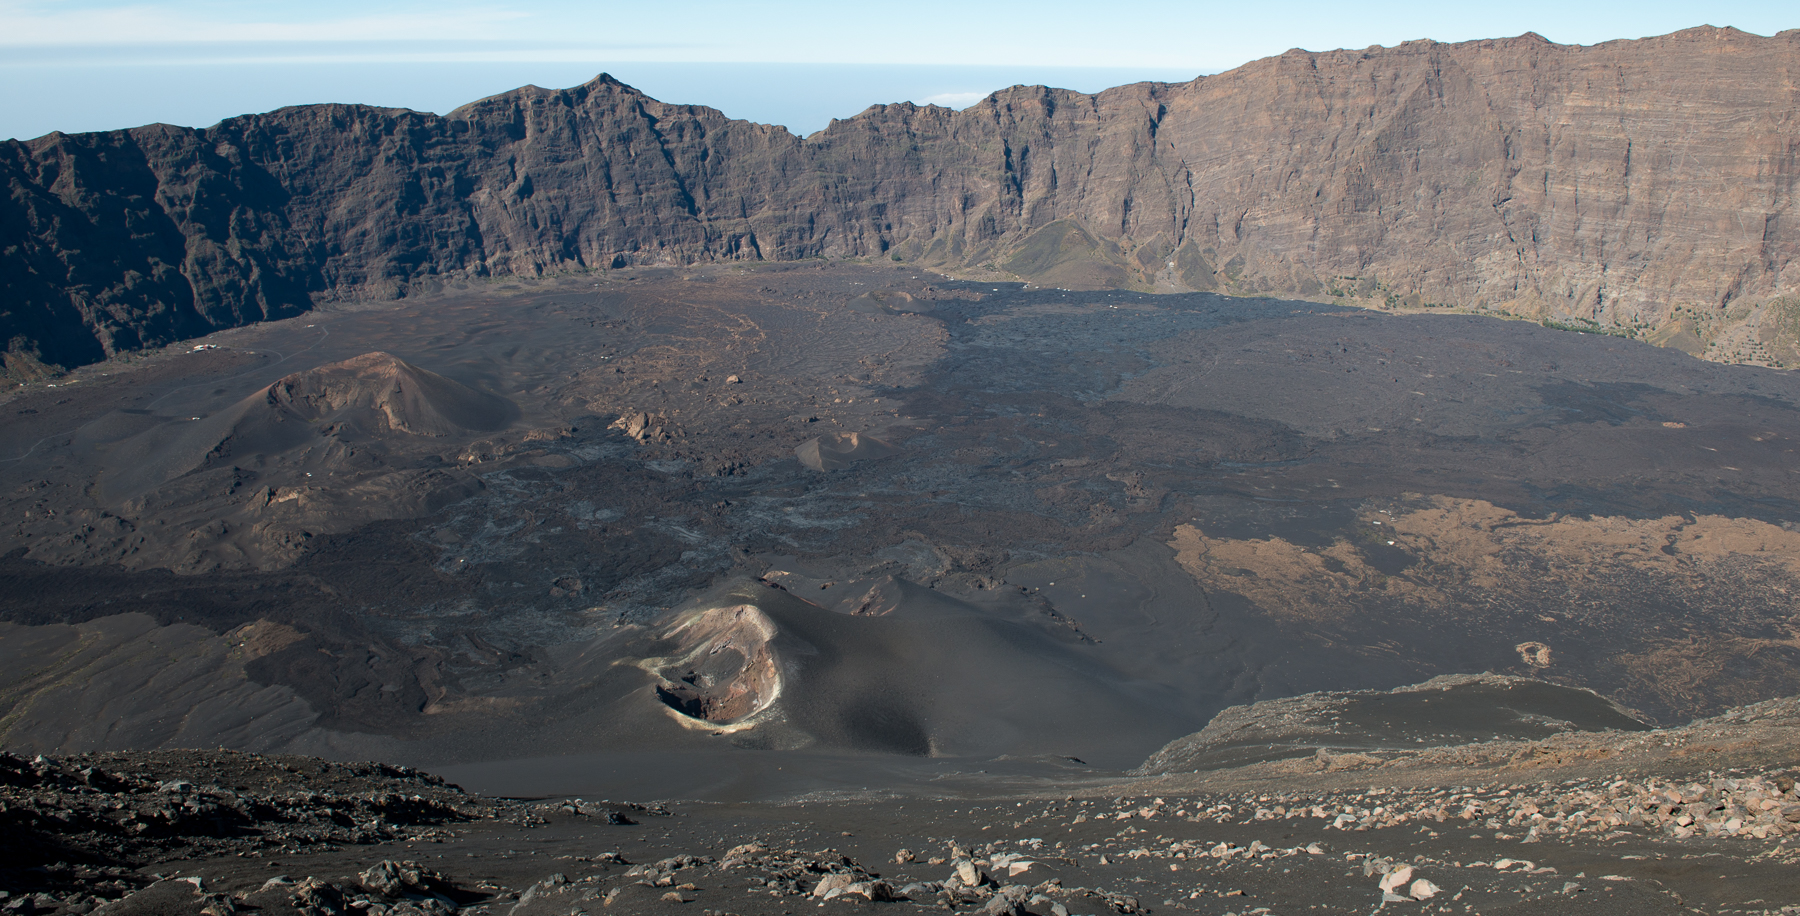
{"x":323,"y":450}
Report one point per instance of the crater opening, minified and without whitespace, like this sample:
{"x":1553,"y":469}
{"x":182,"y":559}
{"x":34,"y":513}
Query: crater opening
{"x":724,"y":673}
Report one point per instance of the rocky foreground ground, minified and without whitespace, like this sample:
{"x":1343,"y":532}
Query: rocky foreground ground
{"x":1710,"y":823}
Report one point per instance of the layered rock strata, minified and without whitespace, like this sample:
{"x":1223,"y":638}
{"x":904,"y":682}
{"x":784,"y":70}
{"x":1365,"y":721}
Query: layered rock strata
{"x":1644,"y":187}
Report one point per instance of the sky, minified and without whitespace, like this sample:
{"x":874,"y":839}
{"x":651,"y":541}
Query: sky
{"x":79,"y":65}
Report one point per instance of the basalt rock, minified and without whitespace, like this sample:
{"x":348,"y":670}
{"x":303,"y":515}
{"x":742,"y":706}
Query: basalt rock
{"x":1641,"y":186}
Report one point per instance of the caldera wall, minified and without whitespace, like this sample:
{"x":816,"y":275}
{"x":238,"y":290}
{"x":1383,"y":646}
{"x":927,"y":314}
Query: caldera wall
{"x":1644,"y":185}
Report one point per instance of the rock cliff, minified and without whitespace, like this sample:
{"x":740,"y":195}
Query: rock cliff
{"x":1642,"y":187}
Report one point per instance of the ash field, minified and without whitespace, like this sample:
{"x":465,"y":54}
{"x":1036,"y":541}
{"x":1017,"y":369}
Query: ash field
{"x":813,"y":562}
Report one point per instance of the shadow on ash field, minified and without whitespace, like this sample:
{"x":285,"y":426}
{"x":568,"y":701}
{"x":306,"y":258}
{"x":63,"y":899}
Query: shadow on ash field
{"x":748,"y":532}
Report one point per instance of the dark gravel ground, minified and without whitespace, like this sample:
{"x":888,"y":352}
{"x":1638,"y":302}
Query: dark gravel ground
{"x":226,"y":833}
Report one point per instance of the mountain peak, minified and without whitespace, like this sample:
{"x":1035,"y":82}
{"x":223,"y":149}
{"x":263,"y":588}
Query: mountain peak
{"x":1282,"y":176}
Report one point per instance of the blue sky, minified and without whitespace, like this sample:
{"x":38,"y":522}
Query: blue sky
{"x":95,"y":64}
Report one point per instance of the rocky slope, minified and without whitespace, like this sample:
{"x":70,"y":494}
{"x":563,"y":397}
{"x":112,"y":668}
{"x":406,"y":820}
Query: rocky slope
{"x":1640,"y":186}
{"x":1542,"y":826}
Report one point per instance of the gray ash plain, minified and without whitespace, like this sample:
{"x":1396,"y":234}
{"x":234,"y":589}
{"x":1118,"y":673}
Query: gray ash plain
{"x":734,"y":535}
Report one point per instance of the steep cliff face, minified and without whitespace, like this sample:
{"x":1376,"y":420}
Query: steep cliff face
{"x":1645,"y":186}
{"x":1611,"y":183}
{"x":1614,"y":184}
{"x":127,"y":239}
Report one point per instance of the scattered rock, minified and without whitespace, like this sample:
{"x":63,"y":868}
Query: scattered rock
{"x":871,"y":890}
{"x":830,"y":886}
{"x":1396,"y":878}
{"x":968,"y":874}
{"x":136,"y":808}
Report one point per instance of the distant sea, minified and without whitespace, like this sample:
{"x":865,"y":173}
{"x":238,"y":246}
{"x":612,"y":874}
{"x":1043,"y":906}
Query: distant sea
{"x":76,"y":89}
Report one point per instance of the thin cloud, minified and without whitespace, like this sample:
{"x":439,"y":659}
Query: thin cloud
{"x":151,"y":23}
{"x":225,"y":53}
{"x":957,"y":100}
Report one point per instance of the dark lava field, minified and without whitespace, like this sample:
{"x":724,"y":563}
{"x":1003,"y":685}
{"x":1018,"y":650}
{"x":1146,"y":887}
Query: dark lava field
{"x":628,"y":532}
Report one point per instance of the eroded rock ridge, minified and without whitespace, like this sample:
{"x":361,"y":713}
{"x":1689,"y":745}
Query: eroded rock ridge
{"x":1644,"y":186}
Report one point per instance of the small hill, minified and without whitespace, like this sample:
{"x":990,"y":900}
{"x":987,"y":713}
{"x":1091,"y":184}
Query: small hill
{"x":841,"y":450}
{"x":409,"y":399}
{"x":1449,"y":710}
